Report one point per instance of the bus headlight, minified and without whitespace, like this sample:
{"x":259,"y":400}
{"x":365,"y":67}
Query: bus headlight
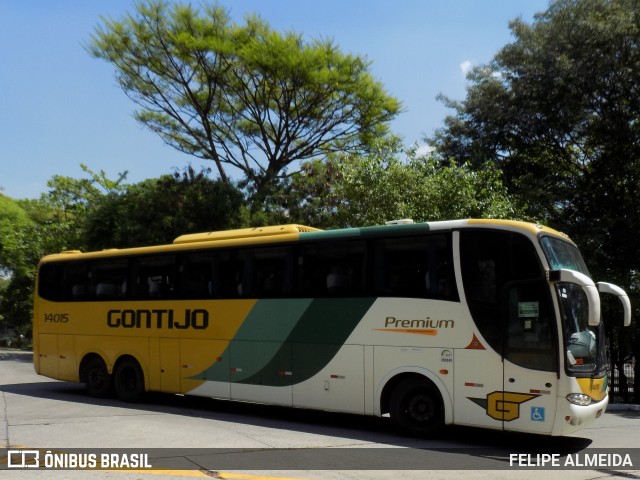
{"x":579,"y":399}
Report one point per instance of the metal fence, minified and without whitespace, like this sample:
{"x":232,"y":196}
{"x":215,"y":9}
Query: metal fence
{"x":621,"y":382}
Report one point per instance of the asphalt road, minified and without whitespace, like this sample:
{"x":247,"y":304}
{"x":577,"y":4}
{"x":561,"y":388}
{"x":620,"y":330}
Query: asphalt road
{"x":187,"y":437}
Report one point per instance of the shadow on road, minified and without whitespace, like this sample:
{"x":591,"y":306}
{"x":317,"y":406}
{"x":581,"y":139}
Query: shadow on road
{"x":493,"y":446}
{"x":16,"y":356}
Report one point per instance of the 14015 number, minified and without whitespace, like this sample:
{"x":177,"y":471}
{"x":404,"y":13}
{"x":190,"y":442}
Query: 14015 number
{"x":56,"y":317}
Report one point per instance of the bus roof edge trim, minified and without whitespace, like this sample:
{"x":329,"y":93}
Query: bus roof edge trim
{"x":244,"y":233}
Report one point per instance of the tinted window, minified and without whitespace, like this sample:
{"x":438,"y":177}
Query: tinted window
{"x":196,"y":275}
{"x":64,"y":281}
{"x":154,"y":277}
{"x":108,"y":279}
{"x":266,"y":272}
{"x":415,"y":267}
{"x":212,"y":274}
{"x":562,"y":254}
{"x":530,"y":335}
{"x":508,"y":296}
{"x":336,"y":269}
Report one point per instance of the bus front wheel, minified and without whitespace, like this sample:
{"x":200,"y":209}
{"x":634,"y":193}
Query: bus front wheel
{"x":94,"y":374}
{"x":129,"y":380}
{"x":416,"y":406}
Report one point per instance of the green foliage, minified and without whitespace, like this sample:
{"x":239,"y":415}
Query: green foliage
{"x":243,"y":96}
{"x":557,"y":110}
{"x":12,"y":216}
{"x":370,"y":190}
{"x":156,"y":211}
{"x":96,"y":212}
{"x":16,"y":301}
{"x":54,"y":222}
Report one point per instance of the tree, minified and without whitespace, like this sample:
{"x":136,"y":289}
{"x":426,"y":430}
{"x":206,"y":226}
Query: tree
{"x":557,"y":111}
{"x":557,"y":108}
{"x":382,"y":186}
{"x":12,"y":216}
{"x":54,"y":222}
{"x":156,"y":211}
{"x":242,"y":96}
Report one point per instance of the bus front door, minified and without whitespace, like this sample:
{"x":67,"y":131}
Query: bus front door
{"x":509,"y":381}
{"x":530,"y":357}
{"x":509,"y":367}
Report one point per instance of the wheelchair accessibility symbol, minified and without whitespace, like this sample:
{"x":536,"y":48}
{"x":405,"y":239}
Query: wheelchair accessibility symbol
{"x":537,"y":414}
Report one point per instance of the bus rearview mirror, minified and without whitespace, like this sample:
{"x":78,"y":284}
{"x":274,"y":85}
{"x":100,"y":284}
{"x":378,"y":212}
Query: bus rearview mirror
{"x":588,"y":287}
{"x":610,"y":288}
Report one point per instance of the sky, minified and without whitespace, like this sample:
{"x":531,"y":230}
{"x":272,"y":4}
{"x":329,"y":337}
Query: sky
{"x":59,"y":107}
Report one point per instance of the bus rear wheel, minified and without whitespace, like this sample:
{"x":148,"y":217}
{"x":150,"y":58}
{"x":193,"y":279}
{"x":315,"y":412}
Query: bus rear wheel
{"x":416,"y":407}
{"x":94,"y":374}
{"x":129,"y":380}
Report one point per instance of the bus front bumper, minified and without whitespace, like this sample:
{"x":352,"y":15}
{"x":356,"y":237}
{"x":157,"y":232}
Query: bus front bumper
{"x":571,"y":418}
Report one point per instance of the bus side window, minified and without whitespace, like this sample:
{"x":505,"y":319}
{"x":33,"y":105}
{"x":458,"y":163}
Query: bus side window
{"x":154,"y":277}
{"x":74,"y":282}
{"x":63,"y":282}
{"x":50,"y":282}
{"x":267,"y":272}
{"x":420,"y":267}
{"x":309,"y":278}
{"x":108,"y":279}
{"x":331,"y":270}
{"x":484,"y":256}
{"x":508,"y":296}
{"x":402,"y":268}
{"x":196,"y":276}
{"x":227,"y":275}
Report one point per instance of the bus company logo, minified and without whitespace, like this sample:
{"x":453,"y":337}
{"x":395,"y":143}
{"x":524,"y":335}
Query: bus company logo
{"x":446,"y":356}
{"x":76,"y":461}
{"x":23,"y":459}
{"x":197,"y":319}
{"x":425,"y":326}
{"x":504,"y":406}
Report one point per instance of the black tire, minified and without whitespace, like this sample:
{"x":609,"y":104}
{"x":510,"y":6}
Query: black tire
{"x":128,"y":380}
{"x":96,"y":377}
{"x":416,"y":407}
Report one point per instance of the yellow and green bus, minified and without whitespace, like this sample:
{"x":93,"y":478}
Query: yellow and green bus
{"x":487,"y":323}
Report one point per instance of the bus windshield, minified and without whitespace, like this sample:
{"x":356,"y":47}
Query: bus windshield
{"x":585,"y":352}
{"x":561,"y":254}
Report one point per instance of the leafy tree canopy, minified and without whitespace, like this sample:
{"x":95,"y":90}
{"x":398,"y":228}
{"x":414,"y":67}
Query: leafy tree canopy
{"x":156,"y":211}
{"x":243,"y":96}
{"x":12,"y":216}
{"x":390,"y":184}
{"x":557,"y":111}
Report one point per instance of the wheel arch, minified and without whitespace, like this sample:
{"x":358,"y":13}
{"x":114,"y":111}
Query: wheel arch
{"x":395,"y":377}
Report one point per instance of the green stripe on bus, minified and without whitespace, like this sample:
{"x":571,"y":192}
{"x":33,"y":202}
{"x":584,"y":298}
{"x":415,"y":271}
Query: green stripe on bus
{"x":306,"y":336}
{"x":258,"y":340}
{"x":314,"y":341}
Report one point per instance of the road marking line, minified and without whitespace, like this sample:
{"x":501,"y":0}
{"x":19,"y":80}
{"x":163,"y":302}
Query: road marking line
{"x":200,"y":474}
{"x":179,"y":473}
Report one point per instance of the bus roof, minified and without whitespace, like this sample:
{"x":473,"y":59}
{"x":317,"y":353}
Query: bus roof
{"x":244,"y":233}
{"x":295,"y":232}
